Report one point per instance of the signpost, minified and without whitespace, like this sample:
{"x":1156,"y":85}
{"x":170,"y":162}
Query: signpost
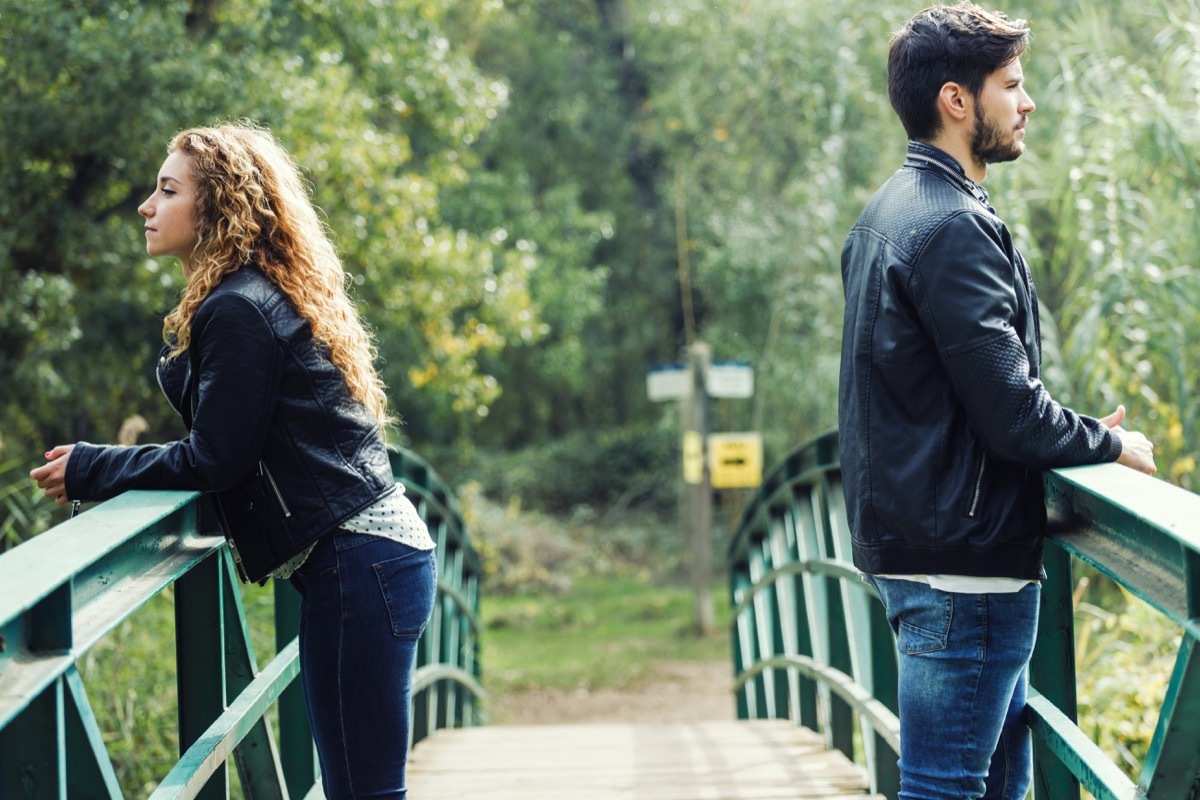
{"x":717,"y":461}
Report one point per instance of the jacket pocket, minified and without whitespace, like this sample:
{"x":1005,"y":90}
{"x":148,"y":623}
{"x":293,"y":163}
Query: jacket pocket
{"x":252,"y":518}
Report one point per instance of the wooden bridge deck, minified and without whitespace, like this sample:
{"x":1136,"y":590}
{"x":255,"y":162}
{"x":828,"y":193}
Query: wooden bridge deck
{"x":726,"y":760}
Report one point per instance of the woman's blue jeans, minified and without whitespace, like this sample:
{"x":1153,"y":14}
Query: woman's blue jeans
{"x":364,"y":602}
{"x":964,"y":674}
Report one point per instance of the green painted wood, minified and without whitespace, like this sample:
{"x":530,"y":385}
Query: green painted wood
{"x":32,"y":765}
{"x":104,"y":594}
{"x":90,"y":774}
{"x":50,"y":622}
{"x":1140,"y":531}
{"x":884,"y":681}
{"x":199,"y":661}
{"x":1086,"y":762}
{"x":738,"y":583}
{"x":1191,"y":577}
{"x":1172,"y":767}
{"x":296,"y":753}
{"x":259,"y":771}
{"x":1131,"y":527}
{"x":882,"y":719}
{"x":78,"y":582}
{"x":202,"y":764}
{"x":1052,"y":671}
{"x":34,"y":569}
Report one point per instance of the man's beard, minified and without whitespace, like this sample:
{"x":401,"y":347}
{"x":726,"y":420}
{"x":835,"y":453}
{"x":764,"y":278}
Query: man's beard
{"x":990,"y":144}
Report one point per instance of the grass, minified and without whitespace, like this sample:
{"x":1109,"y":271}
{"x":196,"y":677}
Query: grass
{"x":608,"y":631}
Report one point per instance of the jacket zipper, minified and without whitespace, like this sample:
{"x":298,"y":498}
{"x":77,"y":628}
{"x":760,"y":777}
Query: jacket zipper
{"x":237,"y":560}
{"x":158,"y":377}
{"x":233,"y":551}
{"x":266,"y":473}
{"x":978,"y":486}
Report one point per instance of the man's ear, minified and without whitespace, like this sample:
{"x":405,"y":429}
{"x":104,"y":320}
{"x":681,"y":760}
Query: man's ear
{"x":954,"y":102}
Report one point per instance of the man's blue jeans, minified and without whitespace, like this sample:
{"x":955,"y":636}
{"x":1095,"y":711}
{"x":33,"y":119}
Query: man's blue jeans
{"x":964,"y":674}
{"x":364,"y":602}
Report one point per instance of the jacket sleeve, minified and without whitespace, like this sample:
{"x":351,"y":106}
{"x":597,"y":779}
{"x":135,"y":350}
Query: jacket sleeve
{"x":966,"y":292}
{"x":238,"y":372}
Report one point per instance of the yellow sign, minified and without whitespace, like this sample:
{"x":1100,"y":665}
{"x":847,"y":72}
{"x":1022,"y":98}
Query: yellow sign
{"x":693,"y":457}
{"x":735,"y":460}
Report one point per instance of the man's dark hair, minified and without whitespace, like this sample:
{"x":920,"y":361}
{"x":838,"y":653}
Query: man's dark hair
{"x":961,"y":44}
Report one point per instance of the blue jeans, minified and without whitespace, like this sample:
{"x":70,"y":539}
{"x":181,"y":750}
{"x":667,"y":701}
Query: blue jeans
{"x":964,"y":674}
{"x":364,"y":603}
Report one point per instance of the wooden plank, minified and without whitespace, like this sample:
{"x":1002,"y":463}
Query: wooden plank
{"x":726,"y":760}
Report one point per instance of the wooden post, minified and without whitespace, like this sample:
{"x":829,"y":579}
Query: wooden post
{"x":696,"y":498}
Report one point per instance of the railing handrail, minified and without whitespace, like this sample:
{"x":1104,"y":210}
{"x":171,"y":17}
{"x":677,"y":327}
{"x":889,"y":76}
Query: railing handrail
{"x":793,"y":548}
{"x":61,"y":592}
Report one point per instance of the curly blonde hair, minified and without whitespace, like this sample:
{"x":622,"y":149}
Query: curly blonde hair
{"x":253,"y":207}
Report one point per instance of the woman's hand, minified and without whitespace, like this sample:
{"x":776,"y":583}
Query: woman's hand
{"x":52,"y":477}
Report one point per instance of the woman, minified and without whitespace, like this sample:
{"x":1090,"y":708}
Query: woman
{"x":271,"y":370}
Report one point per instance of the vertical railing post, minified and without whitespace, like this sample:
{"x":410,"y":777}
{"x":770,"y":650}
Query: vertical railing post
{"x":295,"y":736}
{"x":737,"y":585}
{"x":33,"y":758}
{"x":199,"y":659}
{"x":1052,"y":670}
{"x":256,"y":757}
{"x":885,"y":681}
{"x":840,"y":713}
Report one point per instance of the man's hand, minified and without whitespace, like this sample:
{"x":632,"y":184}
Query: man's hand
{"x":1137,"y":452}
{"x":52,"y":477}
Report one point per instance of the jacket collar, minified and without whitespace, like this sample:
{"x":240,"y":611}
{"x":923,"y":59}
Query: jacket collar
{"x":926,"y":156}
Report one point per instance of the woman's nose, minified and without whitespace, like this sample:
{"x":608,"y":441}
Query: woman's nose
{"x":144,"y":209}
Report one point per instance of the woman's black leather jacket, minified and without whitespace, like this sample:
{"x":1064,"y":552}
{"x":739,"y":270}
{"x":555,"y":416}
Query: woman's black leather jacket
{"x":274,"y":433}
{"x":944,"y":423}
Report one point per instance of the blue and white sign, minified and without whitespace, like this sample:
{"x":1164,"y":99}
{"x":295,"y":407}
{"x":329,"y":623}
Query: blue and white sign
{"x":668,"y":382}
{"x":730,"y":379}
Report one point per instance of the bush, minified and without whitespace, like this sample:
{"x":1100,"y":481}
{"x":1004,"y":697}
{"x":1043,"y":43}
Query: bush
{"x":589,"y":472}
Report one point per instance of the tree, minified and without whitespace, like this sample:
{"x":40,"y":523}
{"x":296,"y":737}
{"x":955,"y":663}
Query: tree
{"x":375,"y":102}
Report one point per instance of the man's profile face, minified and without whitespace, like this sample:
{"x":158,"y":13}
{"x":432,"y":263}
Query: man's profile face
{"x":1001,"y":111}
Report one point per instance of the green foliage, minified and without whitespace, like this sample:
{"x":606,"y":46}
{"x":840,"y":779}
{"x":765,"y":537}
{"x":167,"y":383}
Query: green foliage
{"x":585,"y":473}
{"x":1125,"y":653}
{"x":1104,"y":203}
{"x":130,"y":679}
{"x":376,"y":102}
{"x":517,"y":188}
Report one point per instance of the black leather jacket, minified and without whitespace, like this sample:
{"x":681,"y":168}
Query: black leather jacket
{"x":944,"y":425}
{"x":273,"y":431}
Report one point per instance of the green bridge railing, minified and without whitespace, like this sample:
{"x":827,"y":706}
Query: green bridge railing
{"x":811,"y":644}
{"x":63,"y":591}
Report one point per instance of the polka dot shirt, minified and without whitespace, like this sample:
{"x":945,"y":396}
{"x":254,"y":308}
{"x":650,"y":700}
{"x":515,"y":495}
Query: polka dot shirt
{"x":391,"y":517}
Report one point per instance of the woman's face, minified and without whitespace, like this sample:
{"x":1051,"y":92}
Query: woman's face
{"x":170,"y":211}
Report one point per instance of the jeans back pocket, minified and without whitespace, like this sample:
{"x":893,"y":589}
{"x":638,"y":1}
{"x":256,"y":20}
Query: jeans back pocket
{"x":408,"y":584}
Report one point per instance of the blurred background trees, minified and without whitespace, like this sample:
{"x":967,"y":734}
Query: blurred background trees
{"x":514,"y":186}
{"x":517,"y":186}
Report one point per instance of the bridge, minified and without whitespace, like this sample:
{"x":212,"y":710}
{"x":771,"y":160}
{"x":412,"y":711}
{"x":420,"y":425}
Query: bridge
{"x":813,"y":665}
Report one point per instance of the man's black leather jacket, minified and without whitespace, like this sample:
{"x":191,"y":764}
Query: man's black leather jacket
{"x":274,"y":432}
{"x":944,"y":425}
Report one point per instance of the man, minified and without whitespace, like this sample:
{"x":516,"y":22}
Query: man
{"x":945,"y":426}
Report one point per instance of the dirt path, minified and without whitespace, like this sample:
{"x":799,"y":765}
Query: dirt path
{"x":690,"y":691}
